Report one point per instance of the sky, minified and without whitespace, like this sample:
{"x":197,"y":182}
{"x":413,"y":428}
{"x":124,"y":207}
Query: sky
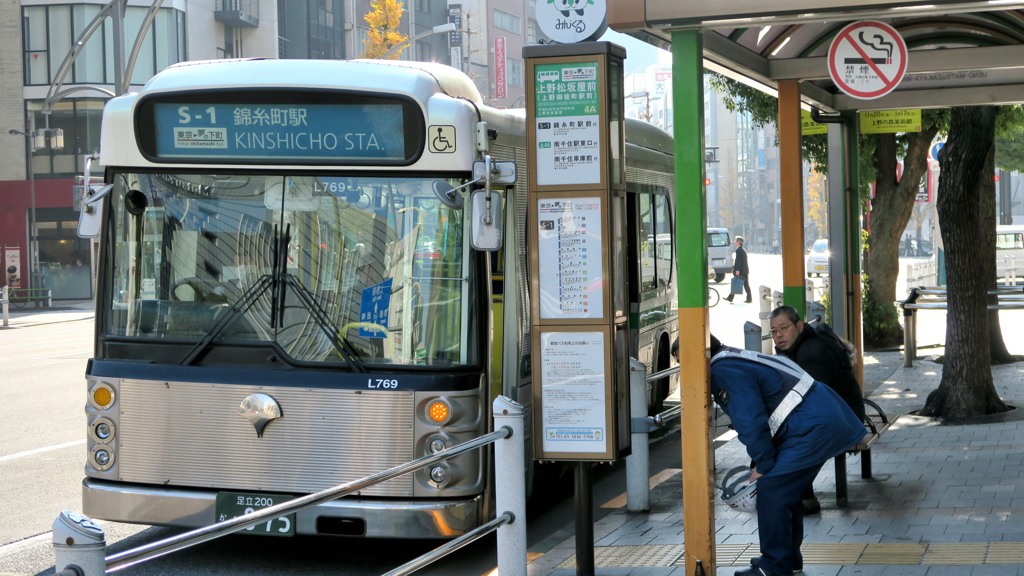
{"x":639,"y":55}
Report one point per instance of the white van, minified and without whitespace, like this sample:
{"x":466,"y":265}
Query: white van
{"x":1009,"y":250}
{"x":720,"y":252}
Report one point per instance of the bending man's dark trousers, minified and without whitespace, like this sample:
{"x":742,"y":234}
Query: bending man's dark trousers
{"x":780,"y":519}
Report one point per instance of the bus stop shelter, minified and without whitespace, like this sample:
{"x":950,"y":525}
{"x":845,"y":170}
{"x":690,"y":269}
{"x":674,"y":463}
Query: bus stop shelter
{"x":959,"y":53}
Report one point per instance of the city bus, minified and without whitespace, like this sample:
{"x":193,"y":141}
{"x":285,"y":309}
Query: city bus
{"x":292,"y":293}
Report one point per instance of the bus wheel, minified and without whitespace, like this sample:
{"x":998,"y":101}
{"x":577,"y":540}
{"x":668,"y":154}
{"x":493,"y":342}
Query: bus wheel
{"x":719,"y":278}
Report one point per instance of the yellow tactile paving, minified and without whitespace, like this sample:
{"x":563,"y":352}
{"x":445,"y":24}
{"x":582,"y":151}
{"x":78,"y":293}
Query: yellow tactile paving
{"x":845,"y":554}
{"x":832,"y":553}
{"x":892,"y":554}
{"x":951,"y":554}
{"x":1005,"y":553}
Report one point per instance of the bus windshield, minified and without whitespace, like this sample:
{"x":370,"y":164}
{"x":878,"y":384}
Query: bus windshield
{"x":347,"y":269}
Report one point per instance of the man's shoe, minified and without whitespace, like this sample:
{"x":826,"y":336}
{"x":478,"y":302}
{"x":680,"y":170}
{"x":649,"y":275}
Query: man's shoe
{"x":811,"y":506}
{"x":753,"y":562}
{"x":729,"y":298}
{"x":749,"y":300}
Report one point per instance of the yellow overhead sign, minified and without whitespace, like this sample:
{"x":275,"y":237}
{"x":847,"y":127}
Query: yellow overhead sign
{"x":890,"y":121}
{"x":809,"y":126}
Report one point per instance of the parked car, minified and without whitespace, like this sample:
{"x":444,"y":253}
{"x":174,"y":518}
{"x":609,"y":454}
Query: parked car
{"x":818,"y":258}
{"x":720,"y":252}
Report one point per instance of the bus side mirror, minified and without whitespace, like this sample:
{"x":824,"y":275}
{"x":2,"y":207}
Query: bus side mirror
{"x":91,"y":218}
{"x":487,"y":219}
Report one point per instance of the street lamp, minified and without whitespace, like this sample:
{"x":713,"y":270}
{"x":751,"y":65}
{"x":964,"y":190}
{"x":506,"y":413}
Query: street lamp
{"x":35,"y":140}
{"x":647,"y":102}
{"x":439,"y":29}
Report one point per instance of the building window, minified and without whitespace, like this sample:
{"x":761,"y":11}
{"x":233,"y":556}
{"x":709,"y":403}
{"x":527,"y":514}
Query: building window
{"x":514,"y":73}
{"x":506,"y":21}
{"x":50,"y":31}
{"x":79,"y":118}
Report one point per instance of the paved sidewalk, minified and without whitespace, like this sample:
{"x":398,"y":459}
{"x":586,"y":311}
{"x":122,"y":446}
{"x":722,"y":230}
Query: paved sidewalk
{"x":944,"y":500}
{"x":61,"y":311}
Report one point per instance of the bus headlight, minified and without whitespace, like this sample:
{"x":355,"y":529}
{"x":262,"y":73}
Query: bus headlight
{"x":102,"y":396}
{"x":102,"y":457}
{"x":439,"y":475}
{"x":102,"y":430}
{"x":438,"y":443}
{"x":439,"y":411}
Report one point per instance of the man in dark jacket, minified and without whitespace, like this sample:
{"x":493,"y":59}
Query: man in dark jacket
{"x":787,"y":448}
{"x":822,"y":359}
{"x":740,"y":269}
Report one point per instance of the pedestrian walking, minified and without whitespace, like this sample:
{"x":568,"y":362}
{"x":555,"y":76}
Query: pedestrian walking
{"x":790,"y":426}
{"x":740,"y":269}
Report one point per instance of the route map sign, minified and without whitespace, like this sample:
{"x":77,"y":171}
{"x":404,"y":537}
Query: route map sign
{"x":867,"y":59}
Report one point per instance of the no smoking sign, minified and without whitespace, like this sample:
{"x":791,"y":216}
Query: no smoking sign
{"x":867,"y":60}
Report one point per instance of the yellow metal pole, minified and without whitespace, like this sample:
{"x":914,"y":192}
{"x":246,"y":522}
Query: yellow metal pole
{"x":791,"y":180}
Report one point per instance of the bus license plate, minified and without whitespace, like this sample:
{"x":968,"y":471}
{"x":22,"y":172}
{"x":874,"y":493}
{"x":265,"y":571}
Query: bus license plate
{"x":233,"y":504}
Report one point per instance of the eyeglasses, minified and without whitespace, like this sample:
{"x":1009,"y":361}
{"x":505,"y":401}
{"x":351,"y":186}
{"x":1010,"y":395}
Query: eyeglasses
{"x":782,"y":328}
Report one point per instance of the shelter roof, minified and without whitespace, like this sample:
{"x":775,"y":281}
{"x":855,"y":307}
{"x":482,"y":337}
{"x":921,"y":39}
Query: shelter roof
{"x":959,"y":53}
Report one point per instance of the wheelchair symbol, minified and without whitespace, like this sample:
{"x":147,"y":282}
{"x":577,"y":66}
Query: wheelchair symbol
{"x":442,"y":139}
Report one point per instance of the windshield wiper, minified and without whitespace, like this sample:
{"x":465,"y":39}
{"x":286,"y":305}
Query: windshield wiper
{"x":323,"y":321}
{"x":283,"y":279}
{"x":248,"y":298}
{"x":277,"y":282}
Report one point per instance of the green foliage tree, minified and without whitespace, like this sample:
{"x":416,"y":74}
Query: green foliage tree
{"x":384,"y":19}
{"x":890,"y":209}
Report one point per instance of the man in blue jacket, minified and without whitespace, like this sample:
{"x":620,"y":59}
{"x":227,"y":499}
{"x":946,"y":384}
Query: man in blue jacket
{"x":787,"y":445}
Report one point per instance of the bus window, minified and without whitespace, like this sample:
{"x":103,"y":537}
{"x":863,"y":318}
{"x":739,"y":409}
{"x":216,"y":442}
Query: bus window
{"x":385,"y":265}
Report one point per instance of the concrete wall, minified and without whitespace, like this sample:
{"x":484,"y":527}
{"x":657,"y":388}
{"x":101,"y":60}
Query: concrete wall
{"x":12,"y":107}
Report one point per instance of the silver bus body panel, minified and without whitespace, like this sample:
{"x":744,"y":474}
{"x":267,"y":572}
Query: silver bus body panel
{"x":195,"y":509}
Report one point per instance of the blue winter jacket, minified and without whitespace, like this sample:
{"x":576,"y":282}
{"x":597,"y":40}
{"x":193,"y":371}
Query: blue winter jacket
{"x":821,"y":427}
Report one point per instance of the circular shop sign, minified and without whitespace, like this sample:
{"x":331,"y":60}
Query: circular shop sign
{"x":571,"y":21}
{"x":867,"y":60}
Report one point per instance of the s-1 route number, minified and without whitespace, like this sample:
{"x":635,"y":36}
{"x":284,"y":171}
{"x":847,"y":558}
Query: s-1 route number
{"x":185,"y":117}
{"x":374,"y":383}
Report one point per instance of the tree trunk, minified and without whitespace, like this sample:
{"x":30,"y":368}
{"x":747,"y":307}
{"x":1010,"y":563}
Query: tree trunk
{"x":894,"y":197}
{"x":966,"y":388}
{"x":987,"y":255}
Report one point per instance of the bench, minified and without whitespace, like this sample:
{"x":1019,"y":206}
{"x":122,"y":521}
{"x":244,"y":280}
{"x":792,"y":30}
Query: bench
{"x":876,"y":425}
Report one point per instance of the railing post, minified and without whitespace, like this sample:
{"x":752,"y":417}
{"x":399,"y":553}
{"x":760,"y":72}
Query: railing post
{"x":752,"y":337}
{"x":765,"y":294}
{"x":6,"y":311}
{"x":909,"y":330}
{"x":79,"y":544}
{"x":638,"y":464}
{"x":510,"y":486}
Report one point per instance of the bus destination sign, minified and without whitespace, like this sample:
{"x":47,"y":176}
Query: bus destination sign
{"x":276,"y":132}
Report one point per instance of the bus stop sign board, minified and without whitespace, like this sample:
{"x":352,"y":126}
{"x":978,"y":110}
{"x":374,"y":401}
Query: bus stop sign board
{"x":867,"y":60}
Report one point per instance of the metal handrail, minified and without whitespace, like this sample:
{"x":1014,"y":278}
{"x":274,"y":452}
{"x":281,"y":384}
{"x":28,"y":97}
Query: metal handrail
{"x":452,"y":546}
{"x":662,"y":417}
{"x":1008,"y":298}
{"x":934,"y":298}
{"x":159,"y":548}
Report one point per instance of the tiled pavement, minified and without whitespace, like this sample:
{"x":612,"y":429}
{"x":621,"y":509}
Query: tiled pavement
{"x":944,"y":499}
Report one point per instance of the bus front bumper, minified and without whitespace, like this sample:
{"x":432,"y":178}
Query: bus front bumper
{"x":138,"y":504}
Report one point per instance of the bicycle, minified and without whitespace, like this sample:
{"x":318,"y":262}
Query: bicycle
{"x":713,"y":297}
{"x":16,"y":298}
